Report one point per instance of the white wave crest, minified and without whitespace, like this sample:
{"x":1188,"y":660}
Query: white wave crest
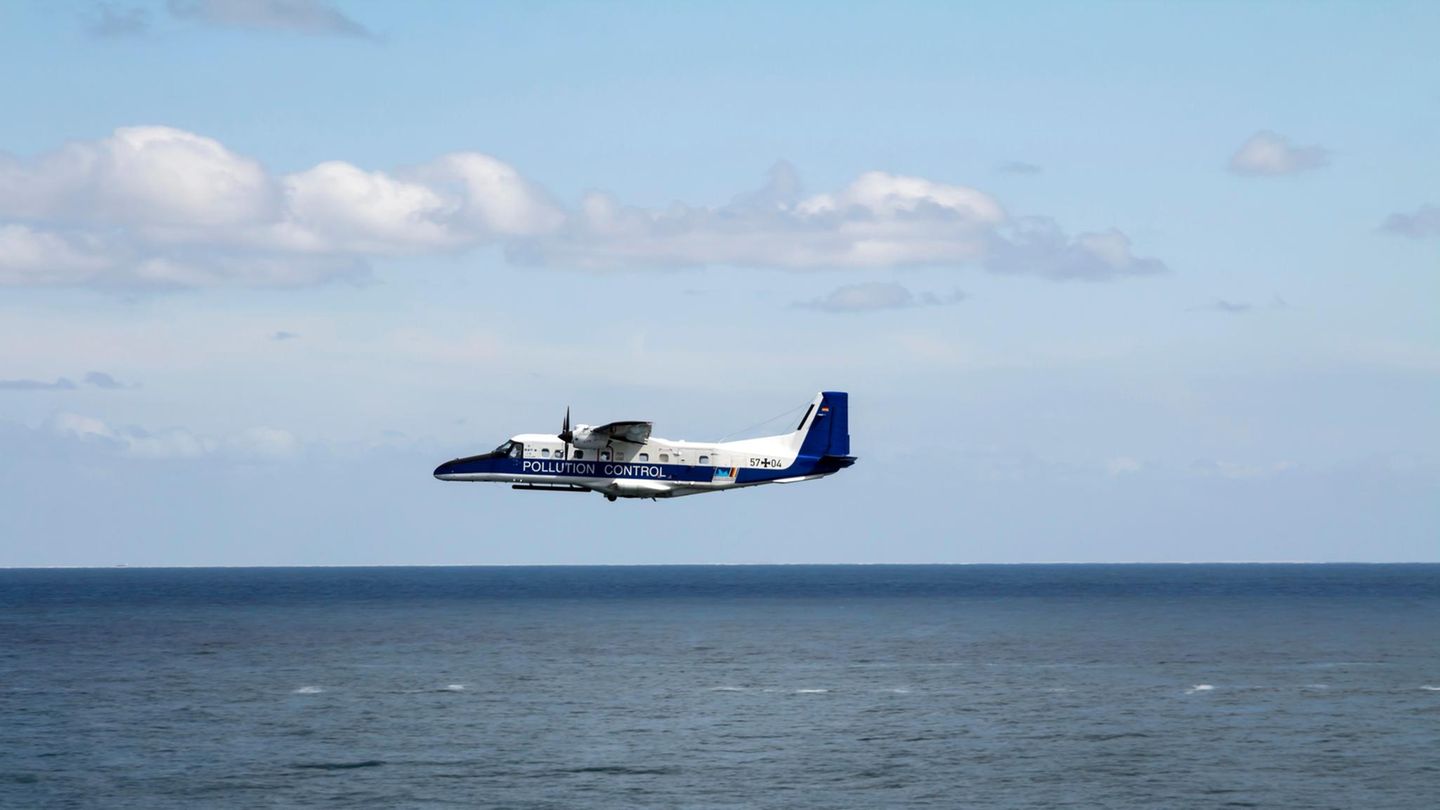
{"x":309,"y":690}
{"x":1199,"y":687}
{"x":727,"y":689}
{"x":811,"y":691}
{"x":453,"y":687}
{"x":1429,"y":688}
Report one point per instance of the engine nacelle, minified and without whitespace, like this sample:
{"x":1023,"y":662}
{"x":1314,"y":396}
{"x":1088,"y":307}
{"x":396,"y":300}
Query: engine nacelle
{"x":588,"y":439}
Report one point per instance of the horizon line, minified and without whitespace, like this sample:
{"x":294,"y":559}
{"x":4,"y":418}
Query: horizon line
{"x":115,"y":566}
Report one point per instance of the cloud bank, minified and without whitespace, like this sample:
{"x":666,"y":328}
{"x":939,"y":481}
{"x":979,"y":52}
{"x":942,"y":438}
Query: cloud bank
{"x":256,"y":443}
{"x":158,"y":206}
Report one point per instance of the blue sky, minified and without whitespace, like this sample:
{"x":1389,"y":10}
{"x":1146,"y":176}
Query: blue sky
{"x":1105,"y":281}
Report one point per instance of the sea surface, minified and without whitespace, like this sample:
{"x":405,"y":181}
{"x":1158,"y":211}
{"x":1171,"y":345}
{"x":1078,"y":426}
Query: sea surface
{"x":722,"y":687}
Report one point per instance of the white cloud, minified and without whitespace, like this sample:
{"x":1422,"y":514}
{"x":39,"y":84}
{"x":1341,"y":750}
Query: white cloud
{"x":32,"y":257}
{"x":1424,"y":222}
{"x":1123,"y":465}
{"x":490,"y":196}
{"x":887,"y":196}
{"x":71,"y":424}
{"x":157,"y":206}
{"x":336,"y":206}
{"x":878,"y":221}
{"x":152,"y":177}
{"x":877,"y":295}
{"x":1037,"y":246}
{"x":1267,"y":154}
{"x":262,"y":442}
{"x":257,"y":443}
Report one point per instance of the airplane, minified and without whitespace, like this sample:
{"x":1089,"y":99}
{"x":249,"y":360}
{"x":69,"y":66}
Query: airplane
{"x":623,"y":460}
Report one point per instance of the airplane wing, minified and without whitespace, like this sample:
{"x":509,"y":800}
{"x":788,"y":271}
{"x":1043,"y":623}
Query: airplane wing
{"x":633,"y":432}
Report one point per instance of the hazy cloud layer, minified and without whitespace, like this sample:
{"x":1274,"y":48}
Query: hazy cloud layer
{"x":157,"y":206}
{"x":1227,"y":307}
{"x":97,"y":379}
{"x":1019,"y":167}
{"x":58,"y":384}
{"x":1424,"y":222}
{"x":112,"y":20}
{"x":877,"y":295}
{"x":1267,"y":154}
{"x":100,"y":379}
{"x":302,"y":16}
{"x":256,"y":443}
{"x":1242,"y":470}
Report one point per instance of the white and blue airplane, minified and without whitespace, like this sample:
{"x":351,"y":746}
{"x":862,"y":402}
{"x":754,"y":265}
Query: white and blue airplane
{"x":622,"y":459}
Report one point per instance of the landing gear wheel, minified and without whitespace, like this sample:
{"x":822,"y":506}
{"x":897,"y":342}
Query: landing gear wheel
{"x":610,"y":498}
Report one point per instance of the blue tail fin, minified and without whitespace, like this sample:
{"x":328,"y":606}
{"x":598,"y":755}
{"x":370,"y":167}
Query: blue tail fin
{"x":827,"y":426}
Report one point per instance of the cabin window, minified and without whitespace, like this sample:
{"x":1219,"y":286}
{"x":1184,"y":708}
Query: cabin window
{"x":644,"y":456}
{"x":579,"y":453}
{"x":704,"y":459}
{"x":544,"y":452}
{"x":664,"y":458}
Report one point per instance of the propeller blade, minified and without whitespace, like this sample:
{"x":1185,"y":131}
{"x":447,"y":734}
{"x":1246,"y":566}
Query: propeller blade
{"x":565,"y":434}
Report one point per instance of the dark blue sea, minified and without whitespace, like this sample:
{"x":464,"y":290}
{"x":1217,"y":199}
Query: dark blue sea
{"x":722,"y":687}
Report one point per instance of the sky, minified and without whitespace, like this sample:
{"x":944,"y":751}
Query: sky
{"x":1105,"y":281}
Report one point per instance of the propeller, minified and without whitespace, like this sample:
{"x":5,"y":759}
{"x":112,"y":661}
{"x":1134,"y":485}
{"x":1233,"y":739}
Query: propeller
{"x":566,"y":435}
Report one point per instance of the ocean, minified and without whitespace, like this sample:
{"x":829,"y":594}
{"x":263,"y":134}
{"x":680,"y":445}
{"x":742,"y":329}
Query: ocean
{"x":1028,"y":686}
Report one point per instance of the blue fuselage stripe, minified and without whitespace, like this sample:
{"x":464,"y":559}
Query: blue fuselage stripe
{"x":637,"y":471}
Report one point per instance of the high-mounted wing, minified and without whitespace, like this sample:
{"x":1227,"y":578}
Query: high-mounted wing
{"x":633,"y":432}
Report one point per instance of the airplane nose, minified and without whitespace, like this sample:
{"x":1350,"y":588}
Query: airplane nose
{"x":444,"y":470}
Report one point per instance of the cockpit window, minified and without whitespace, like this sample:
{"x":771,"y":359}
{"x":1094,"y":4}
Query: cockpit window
{"x":511,"y":449}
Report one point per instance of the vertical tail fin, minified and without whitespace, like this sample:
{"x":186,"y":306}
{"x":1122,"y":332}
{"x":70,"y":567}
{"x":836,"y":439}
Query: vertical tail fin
{"x":825,"y":429}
